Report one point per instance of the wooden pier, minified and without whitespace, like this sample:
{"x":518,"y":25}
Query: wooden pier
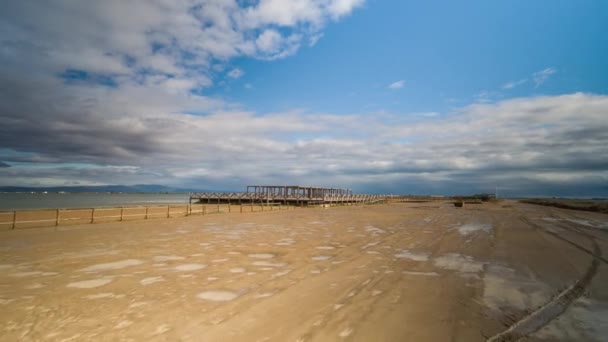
{"x":288,"y":195}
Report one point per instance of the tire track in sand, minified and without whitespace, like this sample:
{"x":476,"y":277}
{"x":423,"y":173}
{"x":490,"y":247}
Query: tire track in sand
{"x":556,"y":306}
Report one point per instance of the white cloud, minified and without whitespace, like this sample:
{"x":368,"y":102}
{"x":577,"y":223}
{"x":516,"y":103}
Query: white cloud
{"x":236,"y":73}
{"x":397,"y":85}
{"x":513,"y":84}
{"x":540,"y":77}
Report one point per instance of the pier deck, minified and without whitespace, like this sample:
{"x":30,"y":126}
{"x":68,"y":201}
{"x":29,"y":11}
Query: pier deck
{"x":294,"y":195}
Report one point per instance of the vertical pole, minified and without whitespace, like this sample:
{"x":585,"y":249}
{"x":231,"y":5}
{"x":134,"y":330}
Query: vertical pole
{"x":14,"y":218}
{"x":146,"y":217}
{"x":121,"y":212}
{"x":229,"y":209}
{"x":57,"y":218}
{"x":241,"y":208}
{"x":92,"y":215}
{"x":168,"y":210}
{"x":204,"y":210}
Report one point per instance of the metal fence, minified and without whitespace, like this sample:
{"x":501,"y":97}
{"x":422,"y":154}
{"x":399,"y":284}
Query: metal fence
{"x":34,"y":218}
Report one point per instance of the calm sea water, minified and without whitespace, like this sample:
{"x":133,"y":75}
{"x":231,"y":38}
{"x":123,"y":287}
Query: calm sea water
{"x":11,"y":201}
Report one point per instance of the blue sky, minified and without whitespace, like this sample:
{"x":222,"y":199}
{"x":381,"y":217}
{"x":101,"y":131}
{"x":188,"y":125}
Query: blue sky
{"x":430,"y":97}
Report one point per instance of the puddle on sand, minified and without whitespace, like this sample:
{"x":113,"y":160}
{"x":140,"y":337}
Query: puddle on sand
{"x":458,"y":262}
{"x":163,"y":258}
{"x":268,"y":264}
{"x":261,"y":255}
{"x":405,"y":254}
{"x":217,"y":296}
{"x":504,"y":287}
{"x":470,"y":228}
{"x":428,"y":274}
{"x":88,"y":284}
{"x":189,"y":267}
{"x":151,"y":280}
{"x":117,"y":265}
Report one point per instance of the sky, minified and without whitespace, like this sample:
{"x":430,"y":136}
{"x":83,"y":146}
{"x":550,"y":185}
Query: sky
{"x":399,"y":97}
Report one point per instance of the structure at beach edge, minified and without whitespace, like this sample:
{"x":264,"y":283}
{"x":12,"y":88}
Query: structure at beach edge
{"x":286,"y":194}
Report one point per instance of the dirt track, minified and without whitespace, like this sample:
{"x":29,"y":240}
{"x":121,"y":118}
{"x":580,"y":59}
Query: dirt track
{"x":398,"y":272}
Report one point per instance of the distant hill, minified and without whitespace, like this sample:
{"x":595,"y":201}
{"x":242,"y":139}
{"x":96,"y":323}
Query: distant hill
{"x":152,"y":188}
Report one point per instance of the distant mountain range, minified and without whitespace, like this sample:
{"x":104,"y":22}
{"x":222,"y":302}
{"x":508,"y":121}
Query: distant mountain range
{"x":152,"y":188}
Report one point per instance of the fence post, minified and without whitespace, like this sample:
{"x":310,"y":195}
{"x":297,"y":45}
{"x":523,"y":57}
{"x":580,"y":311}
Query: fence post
{"x":218,"y":208}
{"x":57,"y":218}
{"x":14,"y":218}
{"x":229,"y":209}
{"x":121,"y":211}
{"x":92,"y":215}
{"x":168,"y":210}
{"x":146,"y":216}
{"x":241,"y":208}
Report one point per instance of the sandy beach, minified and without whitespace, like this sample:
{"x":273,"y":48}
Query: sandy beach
{"x":390,"y":272}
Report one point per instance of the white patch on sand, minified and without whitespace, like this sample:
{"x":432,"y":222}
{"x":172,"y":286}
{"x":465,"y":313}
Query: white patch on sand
{"x":205,"y":244}
{"x":261,"y":255}
{"x":151,"y":280}
{"x":217,"y":296}
{"x":346,"y":332}
{"x":428,"y":274}
{"x":262,"y":295}
{"x":103,"y":295}
{"x":370,"y":244}
{"x":268,"y":264}
{"x":504,"y":287}
{"x":123,"y":324}
{"x":161,"y":329}
{"x":338,"y":306}
{"x":112,"y":265}
{"x":458,"y":262}
{"x":6,"y":301}
{"x":325,"y":247}
{"x":585,"y":320}
{"x":189,"y":267}
{"x":34,"y":286}
{"x":321,"y":257}
{"x":280,"y":274}
{"x":217,"y":261}
{"x":376,"y":292}
{"x":405,"y":254}
{"x":372,"y":252}
{"x":88,"y":284}
{"x":163,"y":258}
{"x":233,"y":253}
{"x":212,"y":278}
{"x":237,"y":270}
{"x":5,"y":266}
{"x":315,"y":271}
{"x":470,"y":228}
{"x":162,"y":264}
{"x":25,"y":274}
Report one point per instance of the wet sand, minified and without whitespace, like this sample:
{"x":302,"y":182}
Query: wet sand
{"x":395,"y":272}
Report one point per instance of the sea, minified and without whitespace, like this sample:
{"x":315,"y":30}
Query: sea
{"x":20,"y":201}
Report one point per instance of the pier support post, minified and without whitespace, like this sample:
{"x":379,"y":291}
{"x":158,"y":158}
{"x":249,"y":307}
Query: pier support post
{"x":92,"y":215}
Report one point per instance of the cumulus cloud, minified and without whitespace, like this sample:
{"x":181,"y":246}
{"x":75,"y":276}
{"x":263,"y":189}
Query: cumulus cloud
{"x":520,"y":145}
{"x":540,"y":77}
{"x":397,"y":84}
{"x":236,"y":73}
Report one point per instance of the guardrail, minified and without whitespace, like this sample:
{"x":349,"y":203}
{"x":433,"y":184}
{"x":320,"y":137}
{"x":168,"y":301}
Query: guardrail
{"x":37,"y":218}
